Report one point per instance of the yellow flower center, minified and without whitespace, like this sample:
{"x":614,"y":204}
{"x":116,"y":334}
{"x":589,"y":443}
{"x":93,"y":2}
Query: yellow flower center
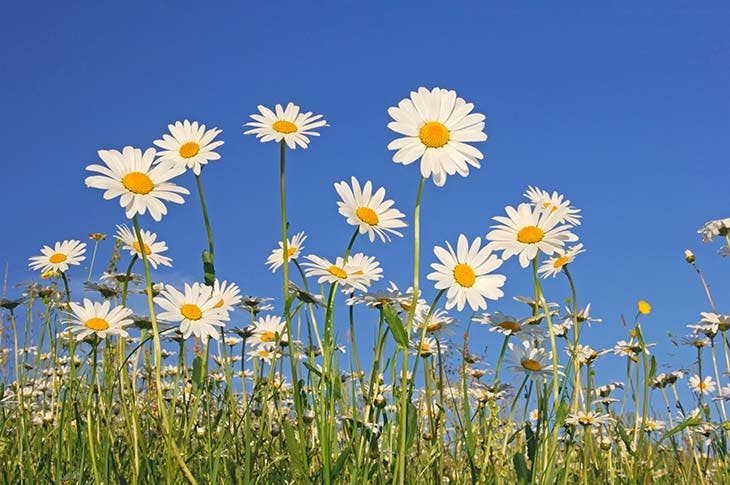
{"x":337,"y":272}
{"x":553,"y":207}
{"x":97,"y":324}
{"x":585,"y":420}
{"x":532,"y":365}
{"x":283,"y":126}
{"x":702,"y":385}
{"x":57,"y":258}
{"x":432,"y":327}
{"x":560,"y":262}
{"x":290,"y":251}
{"x":147,"y":249}
{"x":434,"y":134}
{"x":530,"y":235}
{"x":367,"y":215}
{"x":425,"y":350}
{"x":48,"y":274}
{"x":191,"y":311}
{"x":268,"y":337}
{"x":264,"y":354}
{"x":138,"y":182}
{"x":699,"y":343}
{"x":219,"y":304}
{"x":510,"y":325}
{"x":189,"y":149}
{"x":464,"y":275}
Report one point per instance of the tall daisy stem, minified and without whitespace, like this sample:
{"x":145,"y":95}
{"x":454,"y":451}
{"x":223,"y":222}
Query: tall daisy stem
{"x":208,"y":256}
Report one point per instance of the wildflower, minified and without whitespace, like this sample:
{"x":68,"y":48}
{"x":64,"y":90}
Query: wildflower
{"x":106,"y":291}
{"x":530,"y":360}
{"x":712,"y":229}
{"x":581,"y":316}
{"x":121,"y":278}
{"x":554,"y":203}
{"x":555,"y":264}
{"x":723,"y":394}
{"x":526,"y":231}
{"x":695,"y":340}
{"x":266,"y":330}
{"x":509,"y":325}
{"x":437,"y":126}
{"x":11,"y":304}
{"x":141,"y":187}
{"x":689,"y":256}
{"x":189,"y":145}
{"x":376,"y":299}
{"x":584,"y":354}
{"x":226,"y":295}
{"x":153,"y":249}
{"x":288,"y":125}
{"x":339,"y":272}
{"x":606,"y":389}
{"x":652,"y":424}
{"x":307,"y":297}
{"x":293,"y":249}
{"x":644,"y":307}
{"x":428,"y":347}
{"x":716,"y":321}
{"x":535,"y":305}
{"x":464,"y":273}
{"x":97,"y":236}
{"x":195,"y":309}
{"x":588,"y":419}
{"x":58,"y":258}
{"x":438,"y":323}
{"x":370,"y":212}
{"x":255,"y":304}
{"x":700,"y":386}
{"x":263,"y":352}
{"x":630,"y":348}
{"x":97,"y":318}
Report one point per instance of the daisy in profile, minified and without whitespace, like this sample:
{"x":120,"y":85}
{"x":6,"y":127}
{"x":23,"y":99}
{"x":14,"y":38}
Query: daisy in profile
{"x":189,"y":145}
{"x":369,"y":211}
{"x":194,"y":308}
{"x":153,"y":249}
{"x":140,"y":187}
{"x":528,"y":230}
{"x":702,"y":386}
{"x":429,"y":347}
{"x":263,"y":352}
{"x":266,"y":330}
{"x":555,"y":264}
{"x":288,"y":125}
{"x":509,"y":325}
{"x":529,"y":360}
{"x":337,"y":272}
{"x":464,"y":273}
{"x":293,"y":248}
{"x":58,"y":258}
{"x":554,"y":203}
{"x":97,"y":318}
{"x":437,"y":127}
{"x":226,"y":295}
{"x":588,"y":419}
{"x":366,"y":268}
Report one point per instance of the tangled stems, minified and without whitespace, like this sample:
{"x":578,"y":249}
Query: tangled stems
{"x":400,"y":476}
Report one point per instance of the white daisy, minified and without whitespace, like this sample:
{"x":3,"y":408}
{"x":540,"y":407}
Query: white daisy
{"x":263,"y":352}
{"x":712,"y":229}
{"x":97,"y":318}
{"x":428,"y":347}
{"x":369,"y":211}
{"x":334,"y":273}
{"x":530,"y":360}
{"x":438,"y":323}
{"x":140,"y":187}
{"x":189,"y":145}
{"x":702,"y":386}
{"x":555,"y":264}
{"x":464,"y":273}
{"x":152,"y":247}
{"x":554,"y":203}
{"x":195,"y":309}
{"x":285,"y":124}
{"x":438,"y":127}
{"x":509,"y":325}
{"x":265,"y":330}
{"x":526,"y":231}
{"x":583,"y":315}
{"x":717,"y":321}
{"x":58,"y":258}
{"x":588,"y":419}
{"x":364,"y":267}
{"x":227,"y":295}
{"x":293,"y":248}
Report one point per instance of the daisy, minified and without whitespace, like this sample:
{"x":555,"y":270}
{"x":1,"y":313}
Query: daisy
{"x":189,"y":145}
{"x":364,"y":267}
{"x":717,"y":321}
{"x":526,"y":231}
{"x":293,"y":249}
{"x":140,"y":187}
{"x":428,"y":347}
{"x":464,"y":273}
{"x":97,"y":318}
{"x":438,"y":323}
{"x":288,"y":125}
{"x":588,"y":419}
{"x":58,"y":258}
{"x":706,"y":386}
{"x":652,"y":424}
{"x":555,"y":264}
{"x":227,"y":295}
{"x":369,"y":211}
{"x":584,"y":354}
{"x":267,"y":329}
{"x":583,"y":315}
{"x":195,"y":309}
{"x":530,"y":360}
{"x":712,"y":229}
{"x":333,"y":273}
{"x":554,"y":203}
{"x":378,"y":298}
{"x":438,"y":127}
{"x":509,"y":325}
{"x":152,"y":249}
{"x":264,"y":353}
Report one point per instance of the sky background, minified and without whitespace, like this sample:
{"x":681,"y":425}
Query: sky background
{"x":622,"y":107}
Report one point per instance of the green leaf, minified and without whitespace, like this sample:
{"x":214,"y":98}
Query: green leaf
{"x":295,"y":451}
{"x":208,"y":268}
{"x":626,"y":440}
{"x":652,"y":369}
{"x":531,"y":443}
{"x":411,"y":424}
{"x":395,"y":325}
{"x":689,"y":422}
{"x":197,"y":372}
{"x":337,"y":468}
{"x":523,"y":473}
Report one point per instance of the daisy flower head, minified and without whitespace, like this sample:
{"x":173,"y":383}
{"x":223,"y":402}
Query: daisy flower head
{"x":464,"y":273}
{"x":267,"y":329}
{"x":437,"y":127}
{"x":509,"y":325}
{"x":714,"y":228}
{"x":554,"y":203}
{"x":194,"y":308}
{"x":99,"y":319}
{"x":588,"y":419}
{"x":716,"y":321}
{"x":57,"y":259}
{"x":288,"y":125}
{"x":226,"y":295}
{"x":700,"y":386}
{"x":438,"y":322}
{"x":293,"y":249}
{"x":189,"y":145}
{"x":527,"y":231}
{"x":562,"y":257}
{"x":366,"y":268}
{"x":153,"y":249}
{"x":530,"y":360}
{"x":369,"y":211}
{"x":428,"y":347}
{"x":337,"y":272}
{"x":140,"y":187}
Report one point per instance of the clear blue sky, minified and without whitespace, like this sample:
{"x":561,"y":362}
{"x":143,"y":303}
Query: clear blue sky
{"x":624,"y":108}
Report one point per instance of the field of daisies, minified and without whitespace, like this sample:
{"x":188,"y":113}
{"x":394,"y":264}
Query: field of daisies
{"x":205,"y":383}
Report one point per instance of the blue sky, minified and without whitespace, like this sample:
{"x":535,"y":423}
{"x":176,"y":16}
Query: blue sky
{"x":622,"y":107}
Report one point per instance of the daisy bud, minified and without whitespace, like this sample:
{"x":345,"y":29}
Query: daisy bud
{"x":689,"y":256}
